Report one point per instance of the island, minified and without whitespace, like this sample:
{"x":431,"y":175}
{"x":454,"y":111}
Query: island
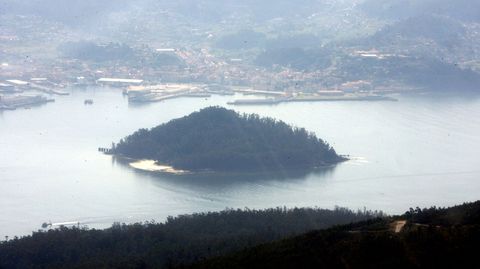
{"x":216,"y":139}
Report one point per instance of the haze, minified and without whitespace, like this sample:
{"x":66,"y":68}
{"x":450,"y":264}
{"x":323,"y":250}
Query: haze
{"x":378,"y":97}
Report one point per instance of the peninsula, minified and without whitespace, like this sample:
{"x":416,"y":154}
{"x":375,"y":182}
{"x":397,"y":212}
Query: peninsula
{"x":221,"y":140}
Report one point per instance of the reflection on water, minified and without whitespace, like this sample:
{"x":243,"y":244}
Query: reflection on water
{"x":416,"y":152}
{"x":225,"y":180}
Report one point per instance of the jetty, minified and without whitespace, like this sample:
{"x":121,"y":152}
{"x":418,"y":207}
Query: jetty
{"x":267,"y":101}
{"x":260,"y":92}
{"x":105,"y":151}
{"x":313,"y":98}
{"x":161,"y":92}
{"x":18,"y":101}
{"x":47,"y":90}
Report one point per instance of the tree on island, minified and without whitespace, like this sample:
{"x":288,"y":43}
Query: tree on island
{"x":217,"y":139}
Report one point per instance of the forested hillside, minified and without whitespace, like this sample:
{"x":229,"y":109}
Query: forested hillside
{"x":420,"y":238}
{"x":428,"y":238}
{"x":217,"y":139}
{"x":180,"y":240}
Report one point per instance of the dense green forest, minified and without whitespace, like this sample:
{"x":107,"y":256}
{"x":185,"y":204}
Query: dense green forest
{"x":431,"y":238}
{"x":180,"y":240}
{"x":217,"y":139}
{"x":271,"y":238}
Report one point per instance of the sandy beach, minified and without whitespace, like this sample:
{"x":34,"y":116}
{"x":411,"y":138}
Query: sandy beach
{"x":152,"y":166}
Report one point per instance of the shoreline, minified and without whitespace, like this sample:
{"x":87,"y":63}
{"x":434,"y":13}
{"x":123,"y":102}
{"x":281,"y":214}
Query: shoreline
{"x":153,"y":166}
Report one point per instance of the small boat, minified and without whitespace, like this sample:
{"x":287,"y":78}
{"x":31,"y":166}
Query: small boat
{"x":88,"y":102}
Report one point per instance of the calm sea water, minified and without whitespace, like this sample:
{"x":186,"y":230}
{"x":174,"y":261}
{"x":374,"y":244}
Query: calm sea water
{"x":416,"y":152}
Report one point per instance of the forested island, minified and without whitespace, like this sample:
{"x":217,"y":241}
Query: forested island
{"x":221,"y":140}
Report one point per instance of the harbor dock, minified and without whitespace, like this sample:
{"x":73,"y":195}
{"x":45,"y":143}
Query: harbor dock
{"x":275,"y":101}
{"x":18,"y":101}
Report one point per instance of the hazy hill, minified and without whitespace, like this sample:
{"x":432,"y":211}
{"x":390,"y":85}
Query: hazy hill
{"x":243,"y":39}
{"x":71,"y":12}
{"x":439,"y":37}
{"x":430,"y":74}
{"x":442,"y":30}
{"x":117,"y":52}
{"x":296,"y":58}
{"x":77,"y":11}
{"x":465,"y":10}
{"x":257,"y":11}
{"x":425,"y":70}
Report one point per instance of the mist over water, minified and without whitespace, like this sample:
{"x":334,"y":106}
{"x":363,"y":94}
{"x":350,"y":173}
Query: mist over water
{"x":416,"y":152}
{"x":387,"y":90}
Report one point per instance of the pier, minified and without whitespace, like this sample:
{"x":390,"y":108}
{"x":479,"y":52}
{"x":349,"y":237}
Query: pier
{"x":106,"y":151}
{"x":47,"y":90}
{"x":18,"y":101}
{"x":268,"y":101}
{"x":275,"y":101}
{"x":260,"y":92}
{"x":161,"y":92}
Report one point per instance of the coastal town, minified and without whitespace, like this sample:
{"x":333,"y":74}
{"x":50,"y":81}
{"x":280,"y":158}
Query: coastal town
{"x":180,"y":57}
{"x":24,"y":94}
{"x":200,"y":75}
{"x":41,"y":60}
